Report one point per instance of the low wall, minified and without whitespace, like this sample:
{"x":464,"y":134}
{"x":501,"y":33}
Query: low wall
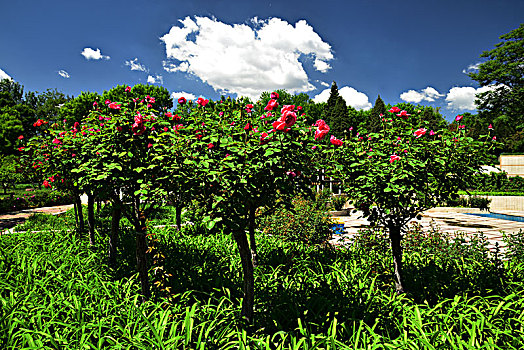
{"x":512,"y":164}
{"x":506,"y":203}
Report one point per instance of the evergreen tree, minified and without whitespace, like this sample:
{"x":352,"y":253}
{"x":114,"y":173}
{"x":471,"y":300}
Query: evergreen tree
{"x":375,"y":116}
{"x":336,"y":112}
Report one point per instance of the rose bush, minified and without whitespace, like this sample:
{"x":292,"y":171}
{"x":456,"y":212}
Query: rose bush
{"x":395,"y":174}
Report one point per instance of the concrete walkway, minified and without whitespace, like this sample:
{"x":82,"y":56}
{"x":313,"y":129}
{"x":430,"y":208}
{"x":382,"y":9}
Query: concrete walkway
{"x":10,"y":220}
{"x":448,"y":221}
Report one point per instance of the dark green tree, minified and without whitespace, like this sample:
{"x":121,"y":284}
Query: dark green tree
{"x":503,"y":105}
{"x":336,"y":112}
{"x":79,"y":107}
{"x":375,"y":116}
{"x":10,"y":129}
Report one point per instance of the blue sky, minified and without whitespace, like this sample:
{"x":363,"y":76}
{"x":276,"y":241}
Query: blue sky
{"x":414,"y":51}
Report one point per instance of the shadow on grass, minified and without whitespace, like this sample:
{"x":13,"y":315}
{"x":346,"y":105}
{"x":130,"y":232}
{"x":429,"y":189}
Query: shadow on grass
{"x":316,"y":284}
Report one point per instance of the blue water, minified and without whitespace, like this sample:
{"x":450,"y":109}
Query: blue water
{"x":501,"y":216}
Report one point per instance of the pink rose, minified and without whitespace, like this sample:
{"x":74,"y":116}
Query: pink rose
{"x":202,"y":102}
{"x":394,"y":110}
{"x":420,"y":132}
{"x":274,"y":95}
{"x":322,"y":129}
{"x":403,"y":114}
{"x":114,"y":105}
{"x":271,"y":105}
{"x":393,"y":158}
{"x":181,"y":100}
{"x":289,"y":117}
{"x":459,"y":118}
{"x":279,"y":124}
{"x":335,"y":141}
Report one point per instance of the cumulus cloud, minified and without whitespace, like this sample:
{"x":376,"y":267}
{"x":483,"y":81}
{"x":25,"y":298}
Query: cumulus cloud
{"x":91,"y":54}
{"x":323,"y":83}
{"x":353,"y":98}
{"x":134,"y":65}
{"x":172,"y":67}
{"x":157,"y":79}
{"x":428,"y":94}
{"x":246,"y":59}
{"x":463,"y":97}
{"x":472,"y":68}
{"x":4,"y":75}
{"x":63,"y":74}
{"x":187,"y":95}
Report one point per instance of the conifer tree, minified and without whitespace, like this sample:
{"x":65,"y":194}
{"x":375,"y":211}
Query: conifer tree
{"x":378,"y":109}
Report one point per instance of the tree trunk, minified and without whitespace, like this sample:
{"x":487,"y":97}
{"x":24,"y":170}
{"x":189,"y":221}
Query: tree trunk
{"x":79,"y":214}
{"x":248,"y":276}
{"x":178,"y":215}
{"x":252,"y":241}
{"x":395,"y":238}
{"x":91,"y":218}
{"x":141,"y":249}
{"x":141,"y":263}
{"x":115,"y":225}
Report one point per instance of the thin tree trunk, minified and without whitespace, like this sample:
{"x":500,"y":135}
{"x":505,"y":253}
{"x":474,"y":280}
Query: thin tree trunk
{"x":91,"y":218}
{"x":115,"y":225}
{"x":396,"y":248}
{"x":178,"y":215}
{"x":141,"y":249}
{"x":249,"y":280}
{"x":252,"y":241}
{"x":141,"y":264}
{"x":79,"y":214}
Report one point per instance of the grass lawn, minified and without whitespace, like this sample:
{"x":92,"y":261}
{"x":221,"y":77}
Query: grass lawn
{"x":57,"y":292}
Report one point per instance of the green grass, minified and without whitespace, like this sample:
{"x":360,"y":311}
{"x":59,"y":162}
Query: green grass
{"x":57,"y":292}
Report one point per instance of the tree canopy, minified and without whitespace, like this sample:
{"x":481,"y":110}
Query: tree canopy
{"x":503,"y":104}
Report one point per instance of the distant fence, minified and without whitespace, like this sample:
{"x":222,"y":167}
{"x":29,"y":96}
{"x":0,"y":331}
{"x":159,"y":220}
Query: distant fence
{"x":322,"y":182}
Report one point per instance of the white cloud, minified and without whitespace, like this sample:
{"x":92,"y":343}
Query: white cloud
{"x":354,"y":98}
{"x":187,"y":95}
{"x":321,"y":66}
{"x":246,"y":59}
{"x":323,"y":83}
{"x":91,"y":54}
{"x":4,"y":75}
{"x":157,"y":79}
{"x":171,"y":67}
{"x":463,"y":97}
{"x":472,"y":68}
{"x":134,"y":65}
{"x":428,"y":94}
{"x":63,"y":74}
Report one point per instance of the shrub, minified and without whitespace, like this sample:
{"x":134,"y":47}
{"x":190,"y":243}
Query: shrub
{"x":39,"y":198}
{"x":307,"y":222}
{"x":338,"y":202}
{"x":470,"y":202}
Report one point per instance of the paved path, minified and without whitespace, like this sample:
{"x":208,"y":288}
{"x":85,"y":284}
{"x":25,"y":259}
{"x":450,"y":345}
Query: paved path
{"x":448,"y":222}
{"x":10,"y":220}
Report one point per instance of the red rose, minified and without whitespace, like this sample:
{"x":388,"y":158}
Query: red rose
{"x":271,"y":105}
